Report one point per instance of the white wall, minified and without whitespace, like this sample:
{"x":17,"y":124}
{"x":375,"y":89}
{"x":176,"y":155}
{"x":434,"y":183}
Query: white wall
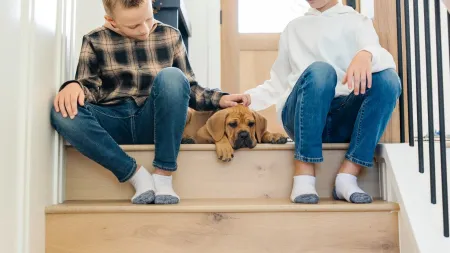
{"x":204,"y":45}
{"x":445,"y":66}
{"x":421,"y":226}
{"x":89,"y":15}
{"x":30,"y":70}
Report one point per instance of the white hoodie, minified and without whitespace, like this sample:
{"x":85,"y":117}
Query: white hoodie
{"x":334,"y":36}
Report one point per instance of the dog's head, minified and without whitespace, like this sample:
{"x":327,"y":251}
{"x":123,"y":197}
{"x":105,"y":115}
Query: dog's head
{"x":242,"y":127}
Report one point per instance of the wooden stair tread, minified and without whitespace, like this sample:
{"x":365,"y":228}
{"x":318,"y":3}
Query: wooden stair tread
{"x":211,"y":147}
{"x":219,"y":205}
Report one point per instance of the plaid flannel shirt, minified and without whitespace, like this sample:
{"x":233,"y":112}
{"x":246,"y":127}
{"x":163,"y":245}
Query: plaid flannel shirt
{"x":113,"y":67}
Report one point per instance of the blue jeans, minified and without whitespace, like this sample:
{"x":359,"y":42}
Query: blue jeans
{"x":312,"y":115}
{"x":98,"y":130}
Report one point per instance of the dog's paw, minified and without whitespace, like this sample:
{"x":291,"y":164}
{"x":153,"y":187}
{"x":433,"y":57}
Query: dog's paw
{"x":225,"y":153}
{"x":280,"y":139}
{"x":187,"y":140}
{"x":275,"y":138}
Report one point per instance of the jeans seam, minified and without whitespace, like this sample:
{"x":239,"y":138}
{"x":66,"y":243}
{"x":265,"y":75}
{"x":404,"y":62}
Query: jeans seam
{"x":107,"y":115}
{"x":301,"y":112}
{"x":308,"y":159}
{"x":358,"y":133}
{"x":357,"y":161}
{"x":133,"y":128}
{"x":157,"y":165}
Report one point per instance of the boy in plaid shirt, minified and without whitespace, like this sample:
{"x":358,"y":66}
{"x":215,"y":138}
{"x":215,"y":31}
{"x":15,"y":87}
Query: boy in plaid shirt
{"x":133,"y":85}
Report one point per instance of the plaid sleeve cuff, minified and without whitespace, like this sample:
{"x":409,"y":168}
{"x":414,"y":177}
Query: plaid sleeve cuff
{"x":215,"y":98}
{"x":69,"y":82}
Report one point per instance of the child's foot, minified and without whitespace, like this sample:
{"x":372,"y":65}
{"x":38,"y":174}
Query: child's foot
{"x":164,"y":191}
{"x":346,"y":188}
{"x":142,"y":182}
{"x":304,"y":190}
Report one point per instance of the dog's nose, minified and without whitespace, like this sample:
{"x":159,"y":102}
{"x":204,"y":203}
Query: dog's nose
{"x":243,"y":135}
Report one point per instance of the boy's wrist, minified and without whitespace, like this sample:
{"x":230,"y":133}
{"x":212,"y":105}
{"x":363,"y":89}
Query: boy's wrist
{"x":69,"y":82}
{"x":367,"y":54}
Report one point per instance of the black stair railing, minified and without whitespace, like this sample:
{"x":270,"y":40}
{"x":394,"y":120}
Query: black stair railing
{"x":429,"y":93}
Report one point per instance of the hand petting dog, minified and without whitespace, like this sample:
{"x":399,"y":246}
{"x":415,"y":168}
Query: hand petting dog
{"x":235,"y":99}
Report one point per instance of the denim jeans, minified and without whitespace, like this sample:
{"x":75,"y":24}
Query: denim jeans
{"x":98,"y":130}
{"x":312,"y":115}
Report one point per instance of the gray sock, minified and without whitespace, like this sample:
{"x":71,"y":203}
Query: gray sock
{"x":307,"y":199}
{"x":145,"y":198}
{"x":360,"y":198}
{"x":356,"y":198}
{"x":166,"y":199}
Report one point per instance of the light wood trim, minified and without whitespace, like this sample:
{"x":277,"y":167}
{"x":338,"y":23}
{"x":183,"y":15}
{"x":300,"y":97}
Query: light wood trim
{"x":259,"y":41}
{"x":222,"y":205}
{"x":229,"y":46}
{"x":385,"y":22}
{"x":212,"y":147}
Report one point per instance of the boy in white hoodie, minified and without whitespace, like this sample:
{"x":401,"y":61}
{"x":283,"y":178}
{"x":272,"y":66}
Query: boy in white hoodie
{"x":332,"y":82}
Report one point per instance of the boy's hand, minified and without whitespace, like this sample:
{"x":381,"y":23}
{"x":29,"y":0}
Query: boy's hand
{"x":359,"y":73}
{"x":233,"y":100}
{"x":66,"y":101}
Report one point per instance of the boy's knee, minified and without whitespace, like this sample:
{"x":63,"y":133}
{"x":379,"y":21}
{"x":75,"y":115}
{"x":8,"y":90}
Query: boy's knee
{"x":319,"y":76}
{"x":57,"y":120}
{"x":323,"y":68}
{"x":387,"y":83}
{"x":60,"y":123}
{"x":172,"y":81}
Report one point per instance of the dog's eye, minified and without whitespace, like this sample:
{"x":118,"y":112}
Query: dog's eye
{"x":251,"y":124}
{"x":233,"y":124}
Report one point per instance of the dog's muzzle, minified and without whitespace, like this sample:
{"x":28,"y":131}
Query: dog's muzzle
{"x":243,"y":140}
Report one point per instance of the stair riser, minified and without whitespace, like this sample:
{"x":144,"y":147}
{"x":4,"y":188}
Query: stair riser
{"x":318,"y":232}
{"x":252,"y":174}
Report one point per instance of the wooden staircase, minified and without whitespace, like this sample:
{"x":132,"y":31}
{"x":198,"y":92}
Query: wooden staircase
{"x":242,"y":206}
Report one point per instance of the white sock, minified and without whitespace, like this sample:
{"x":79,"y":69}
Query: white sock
{"x":346,"y":186}
{"x":142,"y":182}
{"x":164,"y":190}
{"x":303,"y":185}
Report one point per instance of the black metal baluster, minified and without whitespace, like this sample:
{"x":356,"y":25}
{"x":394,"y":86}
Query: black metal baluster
{"x":437,"y":8}
{"x":418,"y":84}
{"x":400,"y":69}
{"x":430,"y":101}
{"x":408,"y":75}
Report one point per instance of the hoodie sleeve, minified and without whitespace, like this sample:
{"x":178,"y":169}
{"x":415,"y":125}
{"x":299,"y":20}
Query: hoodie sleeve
{"x":268,"y":93}
{"x":367,"y":40}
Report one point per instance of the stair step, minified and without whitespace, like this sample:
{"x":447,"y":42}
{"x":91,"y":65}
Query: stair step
{"x":224,"y":225}
{"x":263,"y":172}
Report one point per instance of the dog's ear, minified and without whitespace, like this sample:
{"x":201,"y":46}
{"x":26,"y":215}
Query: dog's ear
{"x":260,"y":126}
{"x":216,"y":124}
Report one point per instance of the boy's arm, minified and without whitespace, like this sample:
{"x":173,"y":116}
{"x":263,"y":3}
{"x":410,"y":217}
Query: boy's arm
{"x":201,"y":99}
{"x":271,"y":90}
{"x":367,"y":40}
{"x":87,"y":72}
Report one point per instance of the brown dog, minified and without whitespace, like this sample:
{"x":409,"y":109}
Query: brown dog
{"x":229,"y":129}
